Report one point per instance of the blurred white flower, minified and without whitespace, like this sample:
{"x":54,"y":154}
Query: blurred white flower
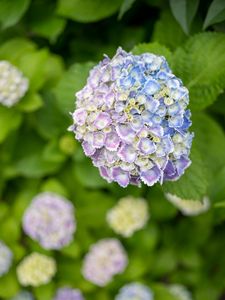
{"x":36,"y":269}
{"x":6,"y":257}
{"x":13,"y":84}
{"x":128,"y":215}
{"x":189,"y":207}
{"x":180,"y":292}
{"x":105,"y":259}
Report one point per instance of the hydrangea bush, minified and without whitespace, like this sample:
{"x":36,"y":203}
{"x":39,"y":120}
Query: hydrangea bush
{"x":130,"y":204}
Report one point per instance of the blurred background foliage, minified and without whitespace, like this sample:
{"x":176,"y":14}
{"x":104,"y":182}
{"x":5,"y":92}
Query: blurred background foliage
{"x":55,"y":43}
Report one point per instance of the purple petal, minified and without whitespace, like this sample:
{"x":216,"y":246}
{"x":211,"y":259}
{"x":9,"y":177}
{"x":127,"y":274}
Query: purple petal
{"x":135,"y":180}
{"x":80,"y":116}
{"x":127,"y":153}
{"x":112,"y":141}
{"x":105,"y":173}
{"x":103,"y":120}
{"x":151,"y":176}
{"x":88,"y":148}
{"x":137,"y":123}
{"x":182,"y":164}
{"x":98,"y":158}
{"x":98,"y":139}
{"x":169,"y":170}
{"x":111,"y":156}
{"x":120,"y":176}
{"x":109,"y":99}
{"x":125,"y":132}
{"x":146,"y":146}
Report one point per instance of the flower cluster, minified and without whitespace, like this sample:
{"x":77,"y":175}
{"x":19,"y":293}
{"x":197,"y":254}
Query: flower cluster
{"x":13,"y":85}
{"x":132,"y":120}
{"x":105,"y":259}
{"x":36,"y":269}
{"x":135,"y":291}
{"x":129,"y":215}
{"x":24,"y":295}
{"x":50,"y":220}
{"x":180,"y":292}
{"x":6,"y":257}
{"x":189,"y":207}
{"x":68,"y":294}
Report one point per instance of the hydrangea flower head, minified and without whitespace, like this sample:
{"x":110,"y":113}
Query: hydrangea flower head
{"x":6,"y":258}
{"x":180,"y":292}
{"x":132,"y":121}
{"x":105,"y":259}
{"x":13,"y":85}
{"x":129,"y":214}
{"x":24,"y":295}
{"x":50,"y":220}
{"x":68,"y":294}
{"x":189,"y":207}
{"x":36,"y":269}
{"x":134,"y":291}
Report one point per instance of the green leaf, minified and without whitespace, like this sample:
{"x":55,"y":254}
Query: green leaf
{"x":88,"y":175}
{"x":184,"y":12}
{"x":201,"y":65}
{"x":54,"y":68}
{"x":162,"y":293}
{"x":10,"y":230}
{"x":33,"y":67}
{"x":9,"y":120}
{"x":210,"y":141}
{"x":164,"y":30}
{"x":87,"y":10}
{"x":43,"y":21}
{"x":220,"y":204}
{"x":8,"y":285}
{"x":30,"y":102}
{"x":45,"y":291}
{"x":22,"y":46}
{"x":55,"y":186}
{"x":193,"y":184}
{"x":33,"y":158}
{"x":215,"y":14}
{"x":154,"y":47}
{"x":49,"y":120}
{"x":126,"y":5}
{"x":73,"y":80}
{"x":12,"y":11}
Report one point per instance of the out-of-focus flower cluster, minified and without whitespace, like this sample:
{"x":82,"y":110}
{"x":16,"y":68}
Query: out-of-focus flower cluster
{"x":189,"y":207}
{"x":129,"y":215}
{"x":180,"y":292}
{"x":135,"y":291}
{"x":36,"y":269}
{"x":6,"y":257}
{"x":68,"y":294}
{"x":50,"y":220}
{"x":13,"y":85}
{"x":132,"y":120}
{"x":105,"y":259}
{"x":24,"y":295}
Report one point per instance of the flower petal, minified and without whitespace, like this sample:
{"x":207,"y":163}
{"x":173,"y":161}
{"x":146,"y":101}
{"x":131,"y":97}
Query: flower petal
{"x":151,"y":176}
